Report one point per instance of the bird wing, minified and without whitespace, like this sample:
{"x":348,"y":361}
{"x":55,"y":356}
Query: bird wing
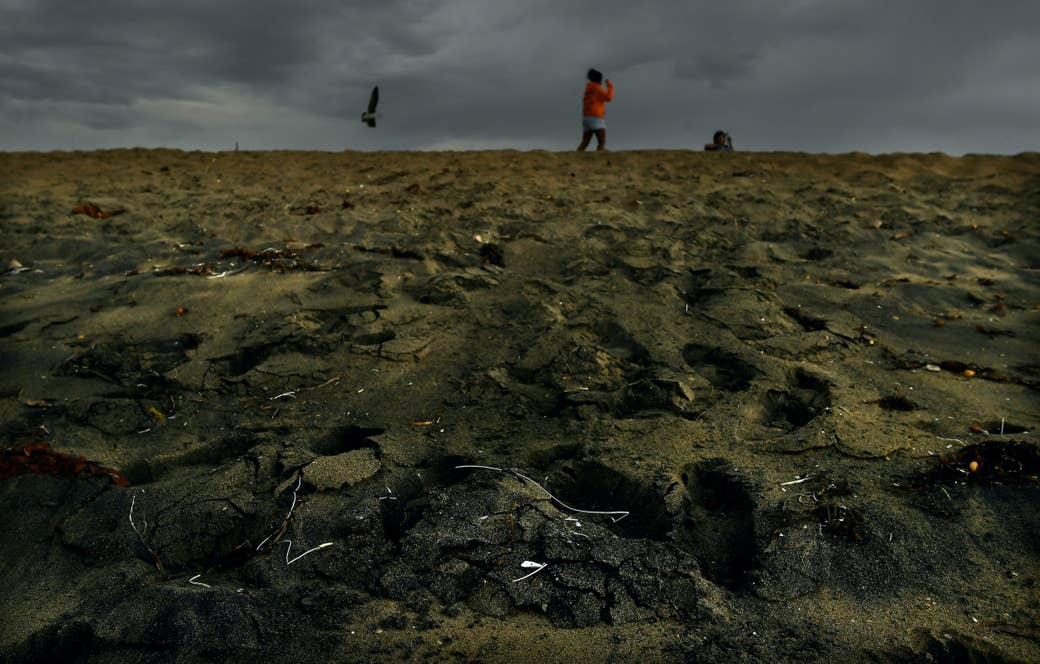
{"x":373,"y":100}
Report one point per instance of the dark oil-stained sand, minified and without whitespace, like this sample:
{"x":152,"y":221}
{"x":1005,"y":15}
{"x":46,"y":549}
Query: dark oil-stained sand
{"x":811,"y":380}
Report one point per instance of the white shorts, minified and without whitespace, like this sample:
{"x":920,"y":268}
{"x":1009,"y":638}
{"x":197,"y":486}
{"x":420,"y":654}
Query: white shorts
{"x":592,"y":123}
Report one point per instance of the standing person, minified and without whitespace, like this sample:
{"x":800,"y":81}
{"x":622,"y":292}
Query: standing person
{"x":720,"y":141}
{"x":593,"y":111}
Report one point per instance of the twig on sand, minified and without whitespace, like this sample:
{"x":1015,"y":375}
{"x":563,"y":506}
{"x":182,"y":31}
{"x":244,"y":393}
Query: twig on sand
{"x":285,"y":522}
{"x":528,"y":564}
{"x":228,"y":273}
{"x":198,"y":583}
{"x":804,"y":479}
{"x":140,"y":535}
{"x":308,"y":551}
{"x":615,"y":515}
{"x":334,"y":379}
{"x":285,"y":527}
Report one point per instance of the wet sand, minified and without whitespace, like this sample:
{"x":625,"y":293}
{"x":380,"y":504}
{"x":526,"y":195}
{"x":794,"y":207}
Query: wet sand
{"x":803,"y":388}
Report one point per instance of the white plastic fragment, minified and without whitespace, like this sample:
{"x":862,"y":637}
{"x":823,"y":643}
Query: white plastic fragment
{"x":529,"y":564}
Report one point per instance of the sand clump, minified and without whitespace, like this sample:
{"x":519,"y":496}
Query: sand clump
{"x":810,"y":380}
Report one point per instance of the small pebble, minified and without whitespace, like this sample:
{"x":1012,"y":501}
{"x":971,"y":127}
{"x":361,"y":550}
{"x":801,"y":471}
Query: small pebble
{"x":973,"y":466}
{"x":968,"y":373}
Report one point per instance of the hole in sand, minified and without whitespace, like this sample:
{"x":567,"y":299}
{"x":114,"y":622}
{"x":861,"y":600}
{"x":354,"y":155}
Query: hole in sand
{"x":840,"y":520}
{"x":346,"y":439}
{"x":817,"y":254}
{"x":807,"y":397}
{"x":590,"y":485}
{"x":402,"y":509}
{"x":8,"y":330}
{"x":444,"y":471}
{"x":724,"y":370}
{"x":897,"y":403}
{"x":619,"y":342}
{"x":408,"y":499}
{"x":845,"y":283}
{"x":247,"y":358}
{"x":719,"y":528}
{"x":375,"y":338}
{"x":547,"y":457}
{"x":955,"y":647}
{"x":808,"y":322}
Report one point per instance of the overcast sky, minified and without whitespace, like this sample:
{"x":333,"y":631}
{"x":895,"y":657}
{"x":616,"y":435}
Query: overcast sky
{"x":953,"y":76}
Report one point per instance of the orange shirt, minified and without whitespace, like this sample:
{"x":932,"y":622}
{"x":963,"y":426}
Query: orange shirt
{"x":595,"y":97}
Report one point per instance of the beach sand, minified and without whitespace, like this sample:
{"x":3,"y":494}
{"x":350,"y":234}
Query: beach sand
{"x":810,"y":381}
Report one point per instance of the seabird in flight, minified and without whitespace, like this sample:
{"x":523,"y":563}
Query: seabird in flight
{"x":369,"y":118}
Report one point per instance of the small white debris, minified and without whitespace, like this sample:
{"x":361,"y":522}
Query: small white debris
{"x":529,"y":564}
{"x":198,"y":583}
{"x":309,"y":551}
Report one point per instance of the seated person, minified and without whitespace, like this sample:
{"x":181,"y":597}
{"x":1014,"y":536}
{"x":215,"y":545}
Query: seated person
{"x":720,"y":141}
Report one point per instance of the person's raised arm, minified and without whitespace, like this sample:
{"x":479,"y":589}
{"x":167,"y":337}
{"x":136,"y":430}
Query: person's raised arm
{"x":610,"y":91}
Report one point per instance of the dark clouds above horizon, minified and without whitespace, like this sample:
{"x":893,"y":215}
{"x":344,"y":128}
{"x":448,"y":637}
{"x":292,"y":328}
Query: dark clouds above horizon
{"x":954,"y":76}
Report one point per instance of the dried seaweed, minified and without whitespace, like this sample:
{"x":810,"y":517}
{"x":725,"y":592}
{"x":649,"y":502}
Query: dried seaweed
{"x":42,"y":459}
{"x":95,"y":212}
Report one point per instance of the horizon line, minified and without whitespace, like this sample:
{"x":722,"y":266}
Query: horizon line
{"x":722,"y":155}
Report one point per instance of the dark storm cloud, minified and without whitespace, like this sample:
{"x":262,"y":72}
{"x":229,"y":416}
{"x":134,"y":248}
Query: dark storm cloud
{"x":716,"y":66}
{"x":82,"y":50}
{"x":815,"y":75}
